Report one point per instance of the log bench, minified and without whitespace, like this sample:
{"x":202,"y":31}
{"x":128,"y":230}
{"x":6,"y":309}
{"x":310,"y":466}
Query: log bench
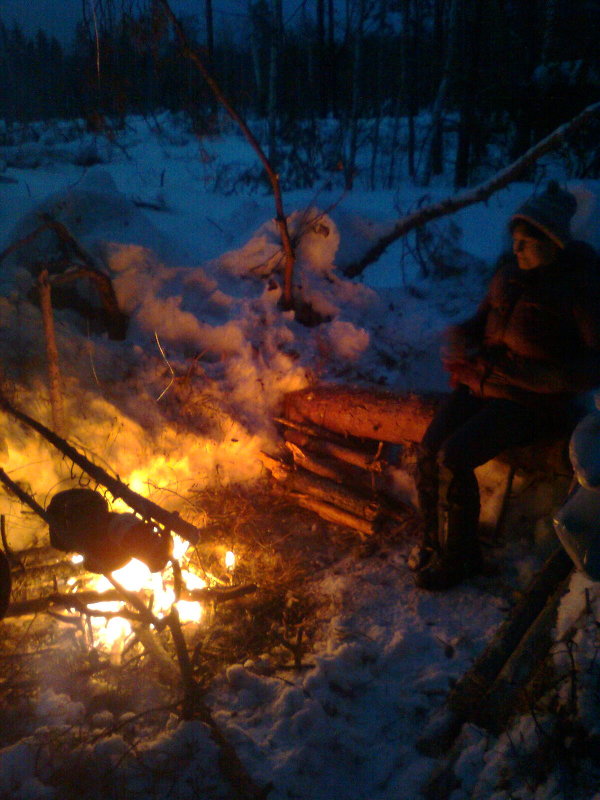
{"x":344,"y":440}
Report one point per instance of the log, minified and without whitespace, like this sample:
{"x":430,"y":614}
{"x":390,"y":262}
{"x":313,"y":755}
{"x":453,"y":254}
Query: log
{"x":518,"y":634}
{"x":336,"y":515}
{"x":366,"y":413}
{"x":386,"y":416}
{"x":355,"y":451}
{"x":509,"y":691}
{"x":76,"y":601}
{"x":472,"y":688}
{"x":362,"y":481}
{"x":321,"y":446}
{"x":303,"y":482}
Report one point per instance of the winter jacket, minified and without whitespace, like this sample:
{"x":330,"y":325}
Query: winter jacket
{"x":536,"y":335}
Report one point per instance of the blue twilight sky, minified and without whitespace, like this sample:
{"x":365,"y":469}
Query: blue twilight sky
{"x":59,"y":17}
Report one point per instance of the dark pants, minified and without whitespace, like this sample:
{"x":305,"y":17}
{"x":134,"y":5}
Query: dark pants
{"x":466,"y":432}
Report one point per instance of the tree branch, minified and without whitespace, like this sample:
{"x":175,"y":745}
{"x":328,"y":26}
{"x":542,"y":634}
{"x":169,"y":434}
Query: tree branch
{"x":273,"y":177}
{"x":476,"y":195}
{"x":145,"y":507}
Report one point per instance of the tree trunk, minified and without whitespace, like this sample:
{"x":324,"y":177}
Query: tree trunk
{"x":357,"y":52}
{"x":210,"y":32}
{"x":321,"y":61}
{"x":274,"y":49}
{"x":435,"y":156}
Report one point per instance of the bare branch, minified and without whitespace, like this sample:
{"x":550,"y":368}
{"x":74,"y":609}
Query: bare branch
{"x":280,"y":219}
{"x":476,"y":195}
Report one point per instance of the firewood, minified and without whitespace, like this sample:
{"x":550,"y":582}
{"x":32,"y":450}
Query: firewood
{"x":510,"y":689}
{"x":75,"y":600}
{"x":520,"y":633}
{"x":336,"y":515}
{"x":472,"y":688}
{"x":360,"y":452}
{"x":303,"y":482}
{"x":365,"y":413}
{"x":337,"y":471}
{"x":353,"y":457}
{"x":396,"y":418}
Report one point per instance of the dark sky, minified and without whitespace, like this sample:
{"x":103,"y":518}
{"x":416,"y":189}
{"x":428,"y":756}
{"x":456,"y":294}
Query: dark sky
{"x":59,"y":17}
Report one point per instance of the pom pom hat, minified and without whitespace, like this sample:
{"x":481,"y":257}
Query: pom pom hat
{"x":550,"y":212}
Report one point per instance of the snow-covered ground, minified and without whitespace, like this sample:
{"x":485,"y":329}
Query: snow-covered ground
{"x":186,"y":402}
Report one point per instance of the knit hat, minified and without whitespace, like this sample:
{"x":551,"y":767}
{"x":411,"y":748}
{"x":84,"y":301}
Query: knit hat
{"x":550,"y":212}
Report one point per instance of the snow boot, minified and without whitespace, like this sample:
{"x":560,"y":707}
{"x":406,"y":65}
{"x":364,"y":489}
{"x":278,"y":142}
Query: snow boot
{"x":456,"y":555}
{"x":427,"y":485}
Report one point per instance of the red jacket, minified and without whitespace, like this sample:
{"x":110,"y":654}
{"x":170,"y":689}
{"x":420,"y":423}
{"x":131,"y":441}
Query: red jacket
{"x":537,"y":332}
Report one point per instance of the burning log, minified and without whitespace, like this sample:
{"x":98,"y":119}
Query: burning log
{"x":147,"y":509}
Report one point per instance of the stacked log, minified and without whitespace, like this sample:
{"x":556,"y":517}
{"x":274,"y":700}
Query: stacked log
{"x":339,"y":456}
{"x":364,"y":413}
{"x":344,"y":442}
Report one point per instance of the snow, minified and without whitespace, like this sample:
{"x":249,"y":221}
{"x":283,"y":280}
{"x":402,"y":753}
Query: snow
{"x":186,"y":401}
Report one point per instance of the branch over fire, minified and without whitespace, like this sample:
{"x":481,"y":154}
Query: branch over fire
{"x":145,"y":507}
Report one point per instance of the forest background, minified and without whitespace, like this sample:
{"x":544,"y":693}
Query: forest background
{"x":492,"y":77}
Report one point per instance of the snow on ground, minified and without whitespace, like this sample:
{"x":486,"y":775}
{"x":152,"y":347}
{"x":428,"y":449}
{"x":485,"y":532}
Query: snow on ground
{"x":186,"y":400}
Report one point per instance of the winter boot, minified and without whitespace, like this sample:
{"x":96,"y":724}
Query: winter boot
{"x":426,"y":481}
{"x":451,"y":566}
{"x":457,"y":555}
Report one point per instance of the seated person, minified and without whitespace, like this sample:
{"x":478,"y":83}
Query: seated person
{"x":515,"y":368}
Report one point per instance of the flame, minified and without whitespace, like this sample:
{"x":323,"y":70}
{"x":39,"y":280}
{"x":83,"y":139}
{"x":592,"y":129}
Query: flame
{"x":189,"y":611}
{"x":230,"y":560}
{"x":135,"y":576}
{"x":180,"y":547}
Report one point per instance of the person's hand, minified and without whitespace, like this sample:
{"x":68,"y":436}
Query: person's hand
{"x":466,"y":371}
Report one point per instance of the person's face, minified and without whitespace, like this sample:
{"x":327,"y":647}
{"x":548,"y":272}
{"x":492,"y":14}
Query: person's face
{"x":531,"y":252}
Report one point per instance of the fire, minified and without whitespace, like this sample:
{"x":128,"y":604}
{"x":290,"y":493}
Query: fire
{"x":230,"y":560}
{"x":135,"y":576}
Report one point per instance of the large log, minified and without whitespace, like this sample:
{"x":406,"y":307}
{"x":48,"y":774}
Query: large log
{"x":397,"y":418}
{"x":365,"y":413}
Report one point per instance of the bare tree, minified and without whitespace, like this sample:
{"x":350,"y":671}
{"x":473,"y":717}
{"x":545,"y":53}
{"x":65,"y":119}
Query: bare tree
{"x":280,"y":219}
